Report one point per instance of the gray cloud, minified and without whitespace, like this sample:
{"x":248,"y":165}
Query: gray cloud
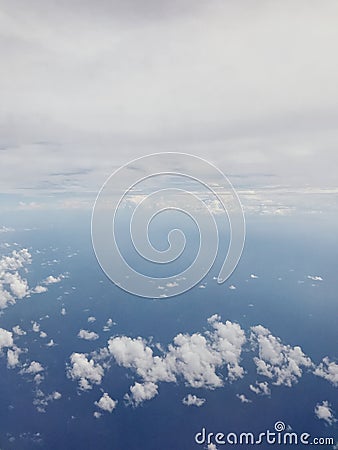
{"x":85,"y":87}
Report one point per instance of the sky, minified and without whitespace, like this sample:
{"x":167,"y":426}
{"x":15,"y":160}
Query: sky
{"x":250,"y":86}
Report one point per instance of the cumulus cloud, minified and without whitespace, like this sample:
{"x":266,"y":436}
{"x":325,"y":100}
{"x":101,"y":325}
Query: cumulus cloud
{"x":41,"y":400}
{"x":140,"y":392}
{"x":36,"y":327}
{"x":87,"y":335}
{"x":18,"y":331}
{"x":52,"y":280}
{"x":86,"y":371}
{"x":108,"y":325}
{"x":260,"y":388}
{"x":13,"y":357}
{"x":323,"y":411}
{"x":328,"y":370}
{"x":243,"y":398}
{"x":39,"y":289}
{"x":33,"y":368}
{"x":281,"y":363}
{"x":196,"y":359}
{"x":106,"y":403}
{"x":12,"y":285}
{"x":315,"y":278}
{"x":6,"y":339}
{"x":193,"y":400}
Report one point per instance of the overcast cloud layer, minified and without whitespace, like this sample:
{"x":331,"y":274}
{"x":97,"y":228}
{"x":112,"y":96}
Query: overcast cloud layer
{"x":88,"y":86}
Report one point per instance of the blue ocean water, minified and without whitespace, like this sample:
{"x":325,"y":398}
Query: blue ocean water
{"x":281,"y":252}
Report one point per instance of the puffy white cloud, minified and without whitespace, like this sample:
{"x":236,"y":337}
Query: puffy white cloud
{"x":193,"y":400}
{"x":140,"y":392}
{"x":195,"y":358}
{"x":33,"y":368}
{"x":12,"y":285}
{"x":41,"y":400}
{"x":52,"y":280}
{"x":36,"y":327}
{"x":323,"y":411}
{"x":39,"y":289}
{"x":106,"y":403}
{"x":85,"y":371}
{"x":260,"y":388}
{"x":87,"y":335}
{"x":281,"y":363}
{"x":243,"y":398}
{"x":13,"y":357}
{"x":17,"y":330}
{"x":108,"y":325}
{"x":328,"y":370}
{"x":6,"y":339}
{"x":315,"y":278}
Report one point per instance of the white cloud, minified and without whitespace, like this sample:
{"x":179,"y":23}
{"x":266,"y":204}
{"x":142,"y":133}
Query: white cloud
{"x":194,"y":358}
{"x":323,"y":411}
{"x":193,"y":400}
{"x":328,"y":370}
{"x":33,"y":368}
{"x":39,"y":289}
{"x":6,"y":339}
{"x":18,"y":331}
{"x":106,"y":403}
{"x":12,"y":285}
{"x":52,"y":280}
{"x":260,"y":388}
{"x":140,"y":392}
{"x":315,"y":278}
{"x":88,"y":335}
{"x":281,"y":363}
{"x":243,"y":398}
{"x":108,"y":325}
{"x":13,"y":357}
{"x":36,"y":327}
{"x":51,"y":343}
{"x":41,"y":400}
{"x":91,"y":319}
{"x":85,"y":371}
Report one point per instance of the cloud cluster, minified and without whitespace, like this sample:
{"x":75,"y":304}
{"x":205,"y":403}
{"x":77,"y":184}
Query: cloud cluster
{"x":200,"y":360}
{"x":281,"y":363}
{"x":323,"y":411}
{"x":7,"y":345}
{"x":328,"y":370}
{"x":12,"y":285}
{"x":42,"y":400}
{"x":88,"y":335}
{"x":260,"y":388}
{"x":140,"y":392}
{"x":86,"y":371}
{"x":193,"y":400}
{"x":106,"y":403}
{"x":196,"y":359}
